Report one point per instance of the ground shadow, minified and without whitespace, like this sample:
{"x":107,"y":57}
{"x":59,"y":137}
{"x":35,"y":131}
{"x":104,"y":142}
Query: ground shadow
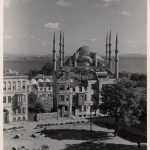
{"x":122,"y":131}
{"x":101,"y":146}
{"x":72,"y":134}
{"x":131,"y":136}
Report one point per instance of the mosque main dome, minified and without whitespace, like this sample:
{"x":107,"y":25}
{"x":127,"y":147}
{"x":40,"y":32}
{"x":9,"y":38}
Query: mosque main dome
{"x":84,"y":56}
{"x":84,"y":51}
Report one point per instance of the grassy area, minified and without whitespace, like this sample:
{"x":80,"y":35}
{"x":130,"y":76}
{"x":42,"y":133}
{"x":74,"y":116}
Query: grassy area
{"x":132,"y":134}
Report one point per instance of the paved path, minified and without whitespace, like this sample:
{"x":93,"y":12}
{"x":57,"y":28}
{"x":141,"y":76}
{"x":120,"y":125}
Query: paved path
{"x":54,"y":144}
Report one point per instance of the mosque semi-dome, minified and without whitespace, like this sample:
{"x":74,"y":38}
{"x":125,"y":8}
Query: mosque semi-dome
{"x":84,"y":59}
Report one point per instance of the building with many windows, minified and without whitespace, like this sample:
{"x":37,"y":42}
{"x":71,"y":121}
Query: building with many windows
{"x":42,"y":87}
{"x":15,"y":97}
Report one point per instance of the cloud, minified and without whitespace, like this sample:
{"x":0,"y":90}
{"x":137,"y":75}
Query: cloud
{"x":105,"y":5}
{"x":108,"y":1}
{"x":133,"y":41}
{"x":63,"y":3}
{"x":100,"y":5}
{"x":7,"y":3}
{"x":51,"y":25}
{"x":125,"y":13}
{"x":92,"y":39}
{"x":7,"y":37}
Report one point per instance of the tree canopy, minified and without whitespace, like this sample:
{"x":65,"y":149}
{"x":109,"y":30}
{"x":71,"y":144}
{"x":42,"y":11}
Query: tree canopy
{"x":121,"y":101}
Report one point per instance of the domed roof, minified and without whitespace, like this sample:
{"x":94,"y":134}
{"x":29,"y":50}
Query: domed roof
{"x":40,"y":80}
{"x":48,"y":80}
{"x":84,"y":59}
{"x":33,"y":81}
{"x":84,"y":50}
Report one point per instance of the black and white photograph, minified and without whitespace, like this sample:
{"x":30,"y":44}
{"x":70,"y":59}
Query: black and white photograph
{"x":74,"y":75}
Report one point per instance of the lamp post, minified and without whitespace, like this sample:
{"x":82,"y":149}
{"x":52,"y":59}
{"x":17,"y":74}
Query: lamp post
{"x":90,"y":118}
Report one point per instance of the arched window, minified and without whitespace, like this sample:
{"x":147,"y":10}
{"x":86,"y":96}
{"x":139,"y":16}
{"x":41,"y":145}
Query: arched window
{"x":23,"y":85}
{"x":19,"y":118}
{"x":9,"y":85}
{"x":14,"y":119}
{"x":24,"y":118}
{"x":4,"y":85}
{"x":14,"y":85}
{"x":19,"y":85}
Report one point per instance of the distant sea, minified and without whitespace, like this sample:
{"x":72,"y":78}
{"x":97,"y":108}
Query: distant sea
{"x":129,"y":64}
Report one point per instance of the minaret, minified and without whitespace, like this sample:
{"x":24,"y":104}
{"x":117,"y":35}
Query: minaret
{"x":60,"y":50}
{"x":116,"y":57}
{"x":106,"y":45}
{"x":63,"y":45}
{"x":109,"y":52}
{"x":54,"y":53}
{"x":54,"y":76}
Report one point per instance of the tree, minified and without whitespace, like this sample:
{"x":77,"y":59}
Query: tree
{"x":116,"y":100}
{"x":32,"y":73}
{"x":39,"y":108}
{"x":32,"y":97}
{"x":47,"y":69}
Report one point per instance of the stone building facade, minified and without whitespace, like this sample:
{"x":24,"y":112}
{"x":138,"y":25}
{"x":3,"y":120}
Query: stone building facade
{"x":15,"y":98}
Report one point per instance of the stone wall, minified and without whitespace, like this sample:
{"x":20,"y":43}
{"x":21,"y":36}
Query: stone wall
{"x":46,"y":116}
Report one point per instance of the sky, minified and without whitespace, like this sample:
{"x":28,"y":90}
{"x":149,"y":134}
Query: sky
{"x":29,"y":25}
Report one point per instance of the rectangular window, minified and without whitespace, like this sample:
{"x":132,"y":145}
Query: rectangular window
{"x":62,"y":98}
{"x":24,"y":110}
{"x":67,"y":98}
{"x":14,"y":85}
{"x":9,"y":99}
{"x":85,"y":108}
{"x":73,"y":89}
{"x":67,"y":87}
{"x":4,"y":99}
{"x":23,"y":85}
{"x":4,"y":85}
{"x":85,"y":97}
{"x":19,"y":85}
{"x":62,"y":87}
{"x":80,"y":88}
{"x":66,"y":108}
{"x":19,"y":110}
{"x":9,"y":85}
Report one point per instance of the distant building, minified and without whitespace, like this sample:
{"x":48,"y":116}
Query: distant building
{"x":42,"y":86}
{"x":15,"y":97}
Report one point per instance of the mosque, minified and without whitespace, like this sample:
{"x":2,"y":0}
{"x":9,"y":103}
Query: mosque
{"x":77,"y":80}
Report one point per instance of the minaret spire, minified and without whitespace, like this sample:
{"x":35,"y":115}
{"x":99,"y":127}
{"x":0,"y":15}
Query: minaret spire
{"x":63,"y":51}
{"x":116,"y":57}
{"x":106,"y":45}
{"x":54,"y":76}
{"x":60,"y":50}
{"x":54,"y":53}
{"x":109,"y":52}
